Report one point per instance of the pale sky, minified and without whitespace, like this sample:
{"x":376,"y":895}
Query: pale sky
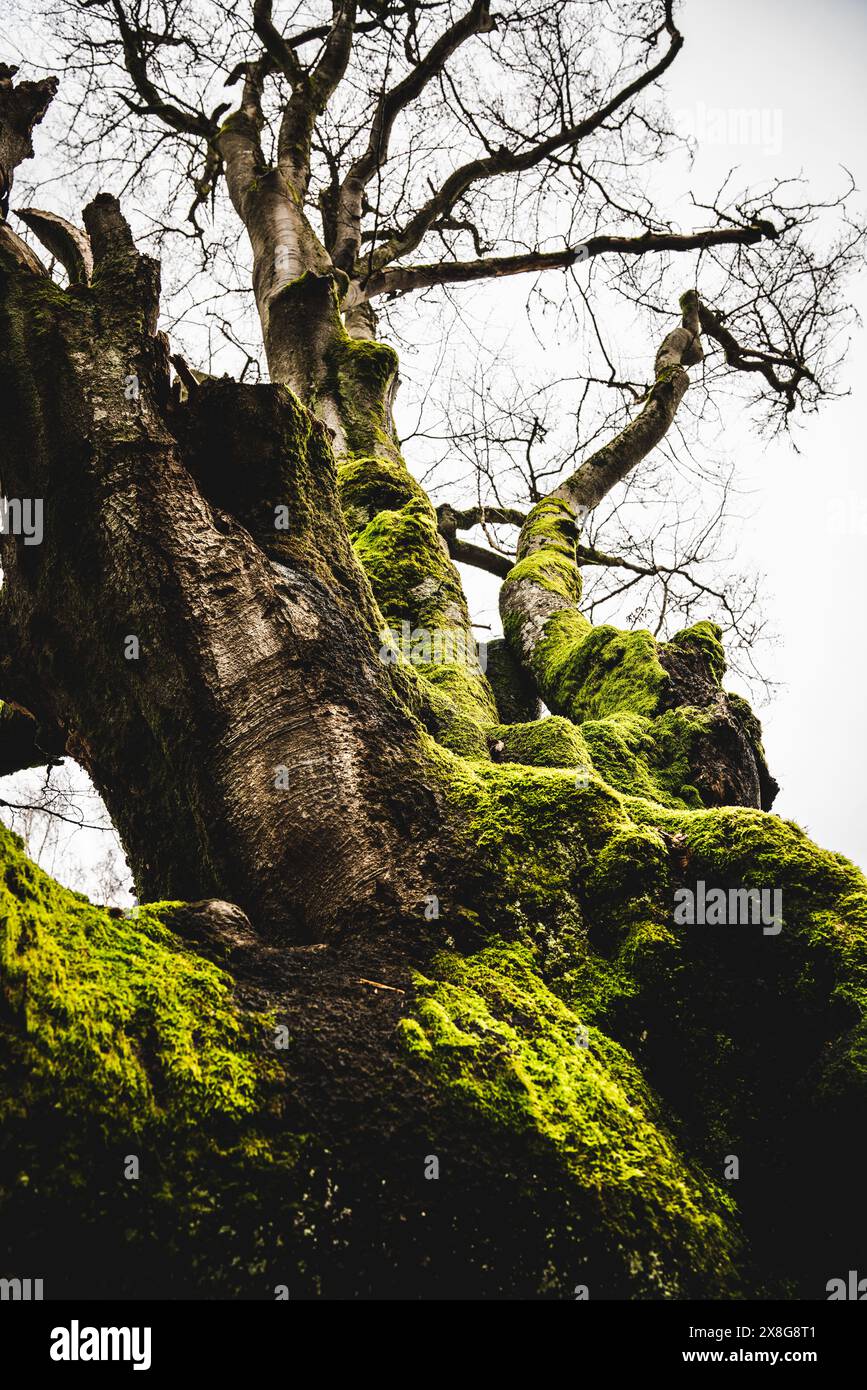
{"x":807,"y":62}
{"x":802,"y":68}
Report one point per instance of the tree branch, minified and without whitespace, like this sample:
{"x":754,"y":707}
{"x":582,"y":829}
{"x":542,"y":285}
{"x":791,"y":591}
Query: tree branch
{"x":398,"y":280}
{"x":603,"y":470}
{"x":310,"y":97}
{"x":24,"y":743}
{"x":66,"y":243}
{"x":282,"y":54}
{"x":21,"y":108}
{"x":506,"y":161}
{"x":753,"y":360}
{"x":185,"y":122}
{"x":477,"y":20}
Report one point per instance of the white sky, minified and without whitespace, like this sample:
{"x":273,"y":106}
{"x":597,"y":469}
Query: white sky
{"x":807,"y":62}
{"x":802,"y":67}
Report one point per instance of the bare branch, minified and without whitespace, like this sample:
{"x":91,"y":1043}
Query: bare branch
{"x":508,"y":161}
{"x":133,"y":40}
{"x":397,"y":280}
{"x":681,"y":348}
{"x":477,"y":20}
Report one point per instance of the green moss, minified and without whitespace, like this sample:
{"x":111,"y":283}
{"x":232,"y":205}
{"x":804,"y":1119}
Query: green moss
{"x":707,"y":638}
{"x":647,"y":757}
{"x":419,"y":594}
{"x":411,"y":575}
{"x":370,"y":485}
{"x":757,"y":1043}
{"x":117,"y":1040}
{"x":360,"y":373}
{"x":551,"y":742}
{"x":594,"y":671}
{"x":531,"y":834}
{"x":86,"y":991}
{"x":503,"y":1045}
{"x":613,"y":687}
{"x":551,"y":527}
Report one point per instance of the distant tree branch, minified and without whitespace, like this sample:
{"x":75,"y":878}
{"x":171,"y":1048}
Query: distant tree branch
{"x":397,"y":280}
{"x":504,"y":161}
{"x":754,"y":360}
{"x":477,"y":20}
{"x":188,"y":122}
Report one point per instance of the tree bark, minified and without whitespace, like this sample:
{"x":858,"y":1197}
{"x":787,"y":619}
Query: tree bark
{"x":584,"y":672}
{"x":218,"y":677}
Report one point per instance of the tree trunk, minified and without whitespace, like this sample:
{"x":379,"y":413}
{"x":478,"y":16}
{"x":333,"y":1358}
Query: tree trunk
{"x":214,"y":659}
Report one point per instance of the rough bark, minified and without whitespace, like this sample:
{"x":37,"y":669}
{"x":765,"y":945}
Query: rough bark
{"x":256,"y":690}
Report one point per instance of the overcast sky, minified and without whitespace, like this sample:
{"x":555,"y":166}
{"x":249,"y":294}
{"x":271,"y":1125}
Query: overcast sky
{"x":807,"y":63}
{"x":801,"y":68}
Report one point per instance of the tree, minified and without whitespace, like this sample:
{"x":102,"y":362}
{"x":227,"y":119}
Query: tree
{"x":392,"y":914}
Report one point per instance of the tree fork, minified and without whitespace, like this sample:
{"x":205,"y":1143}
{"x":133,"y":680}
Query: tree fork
{"x":584,"y":672}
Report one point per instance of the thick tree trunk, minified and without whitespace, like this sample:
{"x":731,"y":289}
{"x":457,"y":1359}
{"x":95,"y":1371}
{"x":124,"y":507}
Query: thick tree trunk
{"x":214,"y":659}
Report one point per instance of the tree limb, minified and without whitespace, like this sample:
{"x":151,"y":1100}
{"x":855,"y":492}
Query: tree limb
{"x":609,"y":465}
{"x":506,"y":161}
{"x":753,"y":360}
{"x":477,"y":20}
{"x":310,"y":97}
{"x":398,"y":280}
{"x":185,"y":122}
{"x":24,"y":743}
{"x":22,"y":107}
{"x":68,"y":244}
